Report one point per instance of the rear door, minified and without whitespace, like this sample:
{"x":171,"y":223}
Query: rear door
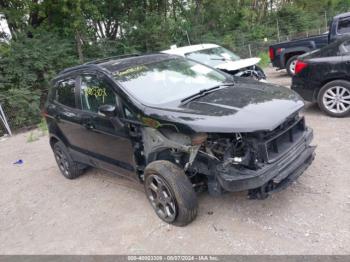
{"x":104,"y":139}
{"x":344,"y":51}
{"x":64,"y":113}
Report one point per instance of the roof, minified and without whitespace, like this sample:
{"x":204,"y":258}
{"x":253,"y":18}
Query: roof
{"x":113,"y":64}
{"x":342,"y":15}
{"x":120,"y":64}
{"x":188,"y":49}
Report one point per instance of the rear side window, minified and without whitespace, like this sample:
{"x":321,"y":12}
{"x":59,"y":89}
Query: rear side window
{"x":95,"y":92}
{"x":65,"y":94}
{"x":344,"y":26}
{"x":344,"y":48}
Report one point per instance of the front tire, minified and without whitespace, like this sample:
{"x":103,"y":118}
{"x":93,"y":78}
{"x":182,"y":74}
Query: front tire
{"x":334,"y":98}
{"x":260,"y":72}
{"x":170,"y":193}
{"x":290,"y":66}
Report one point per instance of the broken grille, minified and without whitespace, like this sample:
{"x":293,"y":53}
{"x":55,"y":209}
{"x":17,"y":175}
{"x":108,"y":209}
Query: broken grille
{"x":276,"y":146}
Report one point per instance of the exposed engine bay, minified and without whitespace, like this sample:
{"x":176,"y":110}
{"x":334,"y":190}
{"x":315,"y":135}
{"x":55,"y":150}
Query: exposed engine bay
{"x":254,"y":72}
{"x":205,"y":156}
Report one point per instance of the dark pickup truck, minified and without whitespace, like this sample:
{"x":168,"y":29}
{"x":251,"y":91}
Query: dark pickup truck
{"x":284,"y":55}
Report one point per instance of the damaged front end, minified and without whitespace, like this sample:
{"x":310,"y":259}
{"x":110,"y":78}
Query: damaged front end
{"x":253,"y":72}
{"x":261,"y":162}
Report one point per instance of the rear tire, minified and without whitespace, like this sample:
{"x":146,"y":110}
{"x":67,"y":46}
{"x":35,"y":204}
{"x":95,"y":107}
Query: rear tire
{"x":334,"y":98}
{"x":170,"y":193}
{"x":69,"y":168}
{"x":290,"y":66}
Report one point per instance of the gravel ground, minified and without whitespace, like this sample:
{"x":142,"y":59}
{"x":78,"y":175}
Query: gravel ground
{"x":41,"y":212}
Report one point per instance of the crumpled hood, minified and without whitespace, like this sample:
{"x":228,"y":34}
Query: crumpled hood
{"x":247,"y":106}
{"x":239,"y":64}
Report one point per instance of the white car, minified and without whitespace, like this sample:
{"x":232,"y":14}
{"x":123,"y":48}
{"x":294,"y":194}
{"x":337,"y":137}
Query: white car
{"x":221,"y":58}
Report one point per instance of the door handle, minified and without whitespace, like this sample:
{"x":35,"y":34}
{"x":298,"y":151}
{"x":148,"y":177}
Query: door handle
{"x":88,"y":123}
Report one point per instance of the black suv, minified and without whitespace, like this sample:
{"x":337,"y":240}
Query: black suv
{"x":179,"y":127}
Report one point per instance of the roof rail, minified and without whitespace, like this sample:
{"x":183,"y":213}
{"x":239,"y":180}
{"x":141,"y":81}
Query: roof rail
{"x":111,"y":58}
{"x":76,"y":67}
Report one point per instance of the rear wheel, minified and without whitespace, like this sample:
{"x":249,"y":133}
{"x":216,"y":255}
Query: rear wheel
{"x":170,"y":193}
{"x":334,"y":98}
{"x":69,"y":168}
{"x":291,"y":63}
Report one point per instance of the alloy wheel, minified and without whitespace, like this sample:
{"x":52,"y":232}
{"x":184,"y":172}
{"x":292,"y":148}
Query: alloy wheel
{"x":337,"y":99}
{"x":62,"y":161}
{"x":292,"y":66}
{"x":161,"y":198}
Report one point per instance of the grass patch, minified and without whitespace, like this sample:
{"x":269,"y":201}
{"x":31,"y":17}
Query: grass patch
{"x":32,"y":137}
{"x":42,"y":126}
{"x":41,"y":130}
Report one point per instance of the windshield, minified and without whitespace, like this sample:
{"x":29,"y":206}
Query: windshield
{"x":168,"y":80}
{"x":213,"y":56}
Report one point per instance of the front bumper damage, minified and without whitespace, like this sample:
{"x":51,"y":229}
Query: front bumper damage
{"x":271,"y":161}
{"x":277,"y":175}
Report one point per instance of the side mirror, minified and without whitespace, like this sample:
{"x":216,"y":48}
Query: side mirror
{"x":107,"y":110}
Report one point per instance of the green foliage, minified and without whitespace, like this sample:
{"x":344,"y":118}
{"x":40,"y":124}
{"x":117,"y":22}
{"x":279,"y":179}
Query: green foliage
{"x":26,"y":68}
{"x":22,"y":106}
{"x":31,"y":62}
{"x":265,"y":59}
{"x":50,"y":35}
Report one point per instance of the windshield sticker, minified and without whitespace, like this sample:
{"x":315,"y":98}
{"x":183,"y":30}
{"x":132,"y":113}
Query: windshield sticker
{"x":131,"y":71}
{"x":96,"y":91}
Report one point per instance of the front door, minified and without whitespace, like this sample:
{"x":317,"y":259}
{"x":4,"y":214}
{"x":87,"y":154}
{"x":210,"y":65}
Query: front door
{"x":105,"y":140}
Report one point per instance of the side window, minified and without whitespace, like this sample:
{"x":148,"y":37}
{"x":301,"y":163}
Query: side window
{"x":65,"y":93}
{"x":344,"y":48}
{"x":344,"y":26}
{"x":95,"y":92}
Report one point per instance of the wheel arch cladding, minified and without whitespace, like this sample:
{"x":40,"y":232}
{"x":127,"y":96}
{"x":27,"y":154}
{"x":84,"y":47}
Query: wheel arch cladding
{"x":53,"y":141}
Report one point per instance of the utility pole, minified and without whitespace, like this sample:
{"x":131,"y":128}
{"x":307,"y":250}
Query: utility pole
{"x":278,"y":30}
{"x":188,"y":38}
{"x":250,"y":50}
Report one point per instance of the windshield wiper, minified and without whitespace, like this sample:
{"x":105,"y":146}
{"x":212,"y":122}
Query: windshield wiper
{"x":204,"y":92}
{"x":220,"y":59}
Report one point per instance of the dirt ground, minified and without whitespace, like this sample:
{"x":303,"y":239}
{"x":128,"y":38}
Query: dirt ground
{"x":41,"y":212}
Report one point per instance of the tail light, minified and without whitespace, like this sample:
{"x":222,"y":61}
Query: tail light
{"x":279,"y":50}
{"x":271,"y":53}
{"x":299,"y":66}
